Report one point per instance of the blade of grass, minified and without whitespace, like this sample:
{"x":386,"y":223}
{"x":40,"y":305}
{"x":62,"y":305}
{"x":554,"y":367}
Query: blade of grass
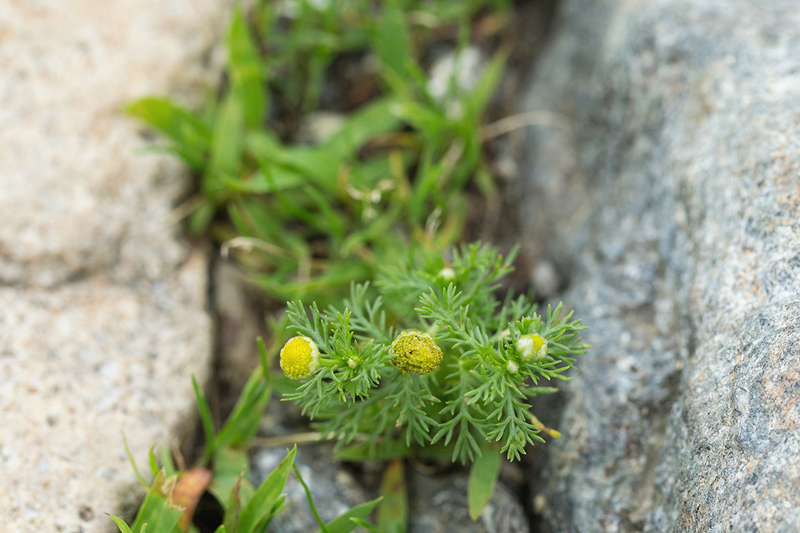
{"x":139,"y":476}
{"x":370,"y":120}
{"x":206,"y":420}
{"x":242,"y":423}
{"x":123,"y":527}
{"x":347,"y":522}
{"x":156,"y":511}
{"x":246,"y":69}
{"x":190,"y":135}
{"x":310,"y":500}
{"x":393,"y":513}
{"x":266,"y":495}
{"x":482,"y":479}
{"x":227,"y":146}
{"x":391,"y":40}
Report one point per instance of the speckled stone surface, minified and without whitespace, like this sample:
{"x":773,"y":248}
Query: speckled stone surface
{"x":438,"y":504}
{"x":673,"y":203}
{"x":103,"y":304}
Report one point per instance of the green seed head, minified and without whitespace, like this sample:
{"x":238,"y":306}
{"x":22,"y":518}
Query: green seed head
{"x":415,"y":352}
{"x":532,"y":347}
{"x":299,"y":357}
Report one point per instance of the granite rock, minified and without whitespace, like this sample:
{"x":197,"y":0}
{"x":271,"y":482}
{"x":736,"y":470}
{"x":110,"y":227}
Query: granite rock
{"x":438,"y":504}
{"x":103,"y":302}
{"x":673,"y":205}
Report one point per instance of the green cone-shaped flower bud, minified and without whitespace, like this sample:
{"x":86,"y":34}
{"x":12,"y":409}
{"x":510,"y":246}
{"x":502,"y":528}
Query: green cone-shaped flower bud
{"x":416,"y":352}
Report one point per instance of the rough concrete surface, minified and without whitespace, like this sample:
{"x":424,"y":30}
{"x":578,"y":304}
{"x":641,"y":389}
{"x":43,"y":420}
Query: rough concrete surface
{"x":103,"y":303}
{"x":673,"y":202}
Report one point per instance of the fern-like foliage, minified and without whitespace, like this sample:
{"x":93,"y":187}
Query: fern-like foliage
{"x":479,"y":393}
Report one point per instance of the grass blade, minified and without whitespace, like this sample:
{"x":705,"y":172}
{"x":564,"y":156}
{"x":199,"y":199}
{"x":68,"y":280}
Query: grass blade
{"x":392,"y":41}
{"x":347,"y":522}
{"x":266,"y":495}
{"x":482,"y":479}
{"x":205,"y":419}
{"x":156,"y":512}
{"x":246,"y":69}
{"x":123,"y":527}
{"x":393,"y":514}
{"x":191,"y":136}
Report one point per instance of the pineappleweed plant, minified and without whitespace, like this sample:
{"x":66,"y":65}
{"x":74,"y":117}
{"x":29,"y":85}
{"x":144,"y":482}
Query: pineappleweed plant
{"x":434,"y":362}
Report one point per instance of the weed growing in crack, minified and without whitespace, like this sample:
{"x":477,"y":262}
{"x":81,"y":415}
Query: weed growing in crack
{"x":434,"y":365}
{"x":421,"y":358}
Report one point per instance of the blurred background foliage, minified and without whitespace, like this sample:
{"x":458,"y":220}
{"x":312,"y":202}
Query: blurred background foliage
{"x":331,"y":145}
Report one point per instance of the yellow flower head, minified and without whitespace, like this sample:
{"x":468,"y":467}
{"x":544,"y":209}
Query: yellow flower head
{"x":532,"y":347}
{"x":299,"y":357}
{"x":415,"y":352}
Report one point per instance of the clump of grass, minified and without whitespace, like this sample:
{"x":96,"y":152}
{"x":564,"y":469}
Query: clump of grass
{"x":309,"y":219}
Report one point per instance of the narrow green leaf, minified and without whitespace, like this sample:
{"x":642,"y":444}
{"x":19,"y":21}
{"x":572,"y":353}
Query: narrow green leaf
{"x":482,"y":479}
{"x":153,"y":461}
{"x":156,"y":511}
{"x":227,"y":147}
{"x":139,"y":476}
{"x":391,"y":40}
{"x":284,"y":167}
{"x":190,"y":135}
{"x":373,"y":119}
{"x":393,"y":513}
{"x":430,"y":121}
{"x":533,"y":391}
{"x":233,"y":506}
{"x":123,"y":527}
{"x":229,"y":467}
{"x":205,"y":419}
{"x":242,"y":423}
{"x":167,"y":462}
{"x":228,"y":142}
{"x":264,"y":524}
{"x":270,"y":179}
{"x":366,"y":525}
{"x":325,"y":218}
{"x":262,"y":354}
{"x":246,"y":69}
{"x":347,"y":522}
{"x":266,"y":495}
{"x":201,"y":217}
{"x":310,"y":499}
{"x":221,"y":529}
{"x":480,"y":96}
